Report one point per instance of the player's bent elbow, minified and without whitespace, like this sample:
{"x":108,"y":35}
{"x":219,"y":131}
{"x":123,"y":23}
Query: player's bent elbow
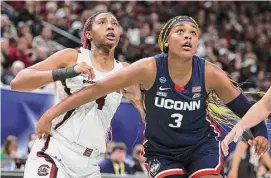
{"x":14,"y":85}
{"x":17,"y":85}
{"x":18,"y":82}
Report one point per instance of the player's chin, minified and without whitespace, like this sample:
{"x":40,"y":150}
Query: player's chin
{"x":111,"y":43}
{"x":187,"y":54}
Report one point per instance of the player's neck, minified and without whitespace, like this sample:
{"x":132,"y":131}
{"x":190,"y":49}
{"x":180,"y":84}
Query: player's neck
{"x":178,"y":66}
{"x":102,"y":59}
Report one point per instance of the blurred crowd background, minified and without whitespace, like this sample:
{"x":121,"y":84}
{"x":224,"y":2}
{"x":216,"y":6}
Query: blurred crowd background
{"x":234,"y":35}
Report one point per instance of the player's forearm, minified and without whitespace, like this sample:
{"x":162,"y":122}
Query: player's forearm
{"x":239,"y":150}
{"x":256,"y":114}
{"x":140,"y":108}
{"x":266,"y":160}
{"x":259,"y":111}
{"x":31,"y":79}
{"x":75,"y":100}
{"x":112,"y":83}
{"x":138,"y":104}
{"x":240,"y":106}
{"x":235,"y":162}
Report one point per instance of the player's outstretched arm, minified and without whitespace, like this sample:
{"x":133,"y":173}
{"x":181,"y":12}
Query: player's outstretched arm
{"x":58,"y":66}
{"x":240,"y":149}
{"x":134,"y":94}
{"x":217,"y":80}
{"x":40,"y":74}
{"x":266,"y":159}
{"x":258,"y":112}
{"x":136,"y":73}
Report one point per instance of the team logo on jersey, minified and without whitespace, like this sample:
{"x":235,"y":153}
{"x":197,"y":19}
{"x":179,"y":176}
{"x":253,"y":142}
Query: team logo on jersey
{"x":161,"y":93}
{"x":88,"y":152}
{"x":196,"y":89}
{"x":43,"y":170}
{"x":196,"y":95}
{"x":163,"y":89}
{"x":162,"y":79}
{"x":154,"y":167}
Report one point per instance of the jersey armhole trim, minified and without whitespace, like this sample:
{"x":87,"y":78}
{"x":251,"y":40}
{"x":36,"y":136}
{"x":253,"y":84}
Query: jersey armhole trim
{"x":203,"y":77}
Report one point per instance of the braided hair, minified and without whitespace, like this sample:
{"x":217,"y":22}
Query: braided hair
{"x":86,"y":43}
{"x":163,"y":36}
{"x":216,"y":109}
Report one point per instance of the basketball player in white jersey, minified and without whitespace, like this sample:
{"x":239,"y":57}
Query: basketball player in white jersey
{"x":78,"y":137}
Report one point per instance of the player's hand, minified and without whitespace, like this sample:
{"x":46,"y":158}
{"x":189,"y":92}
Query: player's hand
{"x":233,"y":135}
{"x":261,"y":145}
{"x":84,"y":68}
{"x":43,"y":127}
{"x":132,"y":92}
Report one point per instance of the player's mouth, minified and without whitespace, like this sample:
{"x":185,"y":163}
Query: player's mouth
{"x":187,"y":46}
{"x":111,"y":36}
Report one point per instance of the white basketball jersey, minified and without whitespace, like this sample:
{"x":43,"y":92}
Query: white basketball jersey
{"x":87,"y":125}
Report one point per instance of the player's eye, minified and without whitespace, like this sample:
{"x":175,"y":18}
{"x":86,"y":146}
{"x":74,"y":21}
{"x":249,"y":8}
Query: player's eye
{"x":102,"y":22}
{"x":180,"y":31}
{"x":193,"y":33}
{"x":115,"y":24}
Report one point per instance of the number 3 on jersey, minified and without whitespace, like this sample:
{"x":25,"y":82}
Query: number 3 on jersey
{"x":178,"y":121}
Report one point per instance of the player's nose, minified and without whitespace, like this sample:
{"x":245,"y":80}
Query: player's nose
{"x":188,"y":36}
{"x":110,"y":27}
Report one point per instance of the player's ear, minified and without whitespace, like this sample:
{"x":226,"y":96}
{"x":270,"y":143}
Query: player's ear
{"x":89,"y":35}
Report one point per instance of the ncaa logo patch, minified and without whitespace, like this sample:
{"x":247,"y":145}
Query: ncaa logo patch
{"x":162,"y":79}
{"x":43,"y":170}
{"x":154,"y":166}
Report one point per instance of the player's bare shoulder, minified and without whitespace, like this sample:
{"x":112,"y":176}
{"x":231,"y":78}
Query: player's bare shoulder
{"x":149,"y":66}
{"x":146,"y":68}
{"x":67,"y":56}
{"x":213,"y":75}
